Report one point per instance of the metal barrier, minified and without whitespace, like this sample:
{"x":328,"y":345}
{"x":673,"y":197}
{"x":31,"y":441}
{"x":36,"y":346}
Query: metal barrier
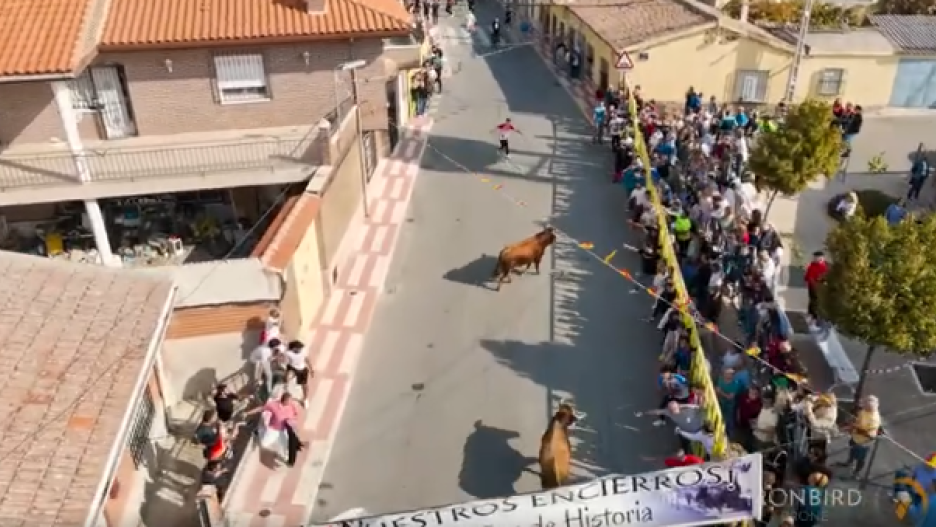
{"x":265,"y":154}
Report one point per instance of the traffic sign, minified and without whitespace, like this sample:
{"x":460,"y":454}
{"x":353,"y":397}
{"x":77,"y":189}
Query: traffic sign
{"x":624,"y":62}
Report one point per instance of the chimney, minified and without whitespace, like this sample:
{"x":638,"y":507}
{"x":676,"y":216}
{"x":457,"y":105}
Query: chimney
{"x":314,"y":7}
{"x":745,"y":10}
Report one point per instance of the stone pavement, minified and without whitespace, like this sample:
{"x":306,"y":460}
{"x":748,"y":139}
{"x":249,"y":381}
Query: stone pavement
{"x":457,"y":382}
{"x":277,"y":496}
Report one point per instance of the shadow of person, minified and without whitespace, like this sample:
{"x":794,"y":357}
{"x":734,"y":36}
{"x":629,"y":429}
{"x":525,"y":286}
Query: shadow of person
{"x":477,"y":272}
{"x":490,"y":466}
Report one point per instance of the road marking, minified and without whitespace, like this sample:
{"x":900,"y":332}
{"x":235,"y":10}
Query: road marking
{"x":357,"y":270}
{"x":273,"y":485}
{"x":351,"y":355}
{"x":380,"y":238}
{"x":311,"y":473}
{"x":397,"y":187}
{"x":377,"y":215}
{"x":327,"y":349}
{"x":332,"y":305}
{"x":316,"y":409}
{"x":354,"y":312}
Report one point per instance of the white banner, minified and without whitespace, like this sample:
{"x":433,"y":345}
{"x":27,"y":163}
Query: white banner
{"x":723,"y":492}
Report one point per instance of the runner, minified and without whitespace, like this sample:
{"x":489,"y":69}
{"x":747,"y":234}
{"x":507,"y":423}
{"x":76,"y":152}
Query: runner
{"x":503,"y":132}
{"x":616,"y":129}
{"x":495,"y":32}
{"x":598,"y":117}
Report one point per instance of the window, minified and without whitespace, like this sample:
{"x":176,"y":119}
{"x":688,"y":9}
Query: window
{"x":83,"y":95}
{"x":241,"y":78}
{"x":830,"y":81}
{"x":139,"y":437}
{"x":751,"y":86}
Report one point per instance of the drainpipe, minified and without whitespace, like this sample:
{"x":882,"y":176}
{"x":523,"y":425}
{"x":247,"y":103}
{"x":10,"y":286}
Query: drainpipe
{"x":745,"y":11}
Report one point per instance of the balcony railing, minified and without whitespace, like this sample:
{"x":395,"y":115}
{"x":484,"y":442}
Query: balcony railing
{"x":148,"y":157}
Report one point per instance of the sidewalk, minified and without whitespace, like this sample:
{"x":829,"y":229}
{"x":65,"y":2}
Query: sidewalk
{"x":279,"y":496}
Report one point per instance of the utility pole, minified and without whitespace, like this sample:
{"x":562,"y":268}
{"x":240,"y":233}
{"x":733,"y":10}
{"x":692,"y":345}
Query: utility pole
{"x":353,"y":66}
{"x":798,"y":54}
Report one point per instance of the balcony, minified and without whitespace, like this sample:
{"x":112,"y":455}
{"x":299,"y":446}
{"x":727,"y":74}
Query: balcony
{"x":37,"y":173}
{"x":405,"y":52}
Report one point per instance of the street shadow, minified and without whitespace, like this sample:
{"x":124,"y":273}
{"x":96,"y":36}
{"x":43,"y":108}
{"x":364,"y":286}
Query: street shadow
{"x":490,"y":465}
{"x":599,"y":356}
{"x":476,"y":273}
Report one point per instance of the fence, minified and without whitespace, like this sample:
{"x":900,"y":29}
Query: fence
{"x":260,"y":154}
{"x":699,"y":372}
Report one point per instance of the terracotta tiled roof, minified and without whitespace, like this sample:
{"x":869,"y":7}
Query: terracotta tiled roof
{"x":145,"y":23}
{"x":284,"y":235}
{"x":627,"y":22}
{"x":73,"y":341}
{"x":40,"y":37}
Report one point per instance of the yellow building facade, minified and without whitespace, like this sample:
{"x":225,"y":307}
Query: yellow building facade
{"x":735,"y":61}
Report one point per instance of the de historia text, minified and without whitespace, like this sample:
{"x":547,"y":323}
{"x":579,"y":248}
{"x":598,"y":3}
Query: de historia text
{"x":525,"y":504}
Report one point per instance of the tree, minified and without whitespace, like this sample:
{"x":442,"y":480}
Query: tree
{"x":804,"y":149}
{"x":881,"y":285}
{"x":791,"y":11}
{"x":905,"y":7}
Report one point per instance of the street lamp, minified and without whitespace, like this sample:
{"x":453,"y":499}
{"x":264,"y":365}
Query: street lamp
{"x":353,"y":66}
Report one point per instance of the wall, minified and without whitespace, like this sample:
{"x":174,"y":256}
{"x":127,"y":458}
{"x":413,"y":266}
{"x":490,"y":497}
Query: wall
{"x":126,"y":493}
{"x":215,"y":320}
{"x":601,"y":48}
{"x":341,"y":195}
{"x":305,"y":287}
{"x":868,"y":80}
{"x":184,"y":100}
{"x":28,"y":114}
{"x":712,"y":70}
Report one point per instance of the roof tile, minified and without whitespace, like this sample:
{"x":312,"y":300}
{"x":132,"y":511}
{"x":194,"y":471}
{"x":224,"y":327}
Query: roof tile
{"x":910,"y":34}
{"x":627,"y":22}
{"x":39,"y":37}
{"x":177,"y":22}
{"x":290,"y":231}
{"x":92,"y":326}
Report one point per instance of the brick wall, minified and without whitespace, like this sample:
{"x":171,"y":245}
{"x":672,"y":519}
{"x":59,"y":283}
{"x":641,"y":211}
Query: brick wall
{"x":28,"y":114}
{"x":185,"y":99}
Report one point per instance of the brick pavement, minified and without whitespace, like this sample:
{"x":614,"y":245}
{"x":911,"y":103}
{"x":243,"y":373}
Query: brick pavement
{"x":276,"y":497}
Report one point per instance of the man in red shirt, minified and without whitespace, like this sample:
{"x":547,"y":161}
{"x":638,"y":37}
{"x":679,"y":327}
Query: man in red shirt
{"x":815,"y":272}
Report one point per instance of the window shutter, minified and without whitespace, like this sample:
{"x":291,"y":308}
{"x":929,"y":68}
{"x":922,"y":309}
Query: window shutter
{"x":240,"y":71}
{"x":843,"y":74}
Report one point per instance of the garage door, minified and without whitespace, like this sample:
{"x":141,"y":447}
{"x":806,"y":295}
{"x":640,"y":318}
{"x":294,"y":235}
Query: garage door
{"x":915,"y":84}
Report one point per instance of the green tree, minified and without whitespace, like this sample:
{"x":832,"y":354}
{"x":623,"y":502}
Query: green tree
{"x":905,"y":7}
{"x":791,"y":12}
{"x":881,"y":285}
{"x":804,"y":149}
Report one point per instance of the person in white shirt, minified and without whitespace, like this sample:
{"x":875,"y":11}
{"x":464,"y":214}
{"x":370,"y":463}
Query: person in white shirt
{"x":470,"y":21}
{"x":741,"y":145}
{"x":768,"y":269}
{"x":271,"y":327}
{"x":297,"y":363}
{"x":260,"y":357}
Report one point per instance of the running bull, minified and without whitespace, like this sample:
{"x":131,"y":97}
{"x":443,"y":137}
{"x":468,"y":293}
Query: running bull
{"x":526,"y":253}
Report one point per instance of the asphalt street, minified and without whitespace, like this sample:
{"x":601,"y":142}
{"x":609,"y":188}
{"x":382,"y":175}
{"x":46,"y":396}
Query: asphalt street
{"x":457,"y":382}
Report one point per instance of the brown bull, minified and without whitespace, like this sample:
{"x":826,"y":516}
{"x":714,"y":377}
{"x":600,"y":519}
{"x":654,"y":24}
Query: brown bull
{"x":555,"y":455}
{"x":526,"y":253}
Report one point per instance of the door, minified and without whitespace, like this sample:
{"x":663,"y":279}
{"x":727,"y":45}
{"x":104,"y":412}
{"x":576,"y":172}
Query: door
{"x":915,"y":84}
{"x":370,"y":154}
{"x":114,"y":104}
